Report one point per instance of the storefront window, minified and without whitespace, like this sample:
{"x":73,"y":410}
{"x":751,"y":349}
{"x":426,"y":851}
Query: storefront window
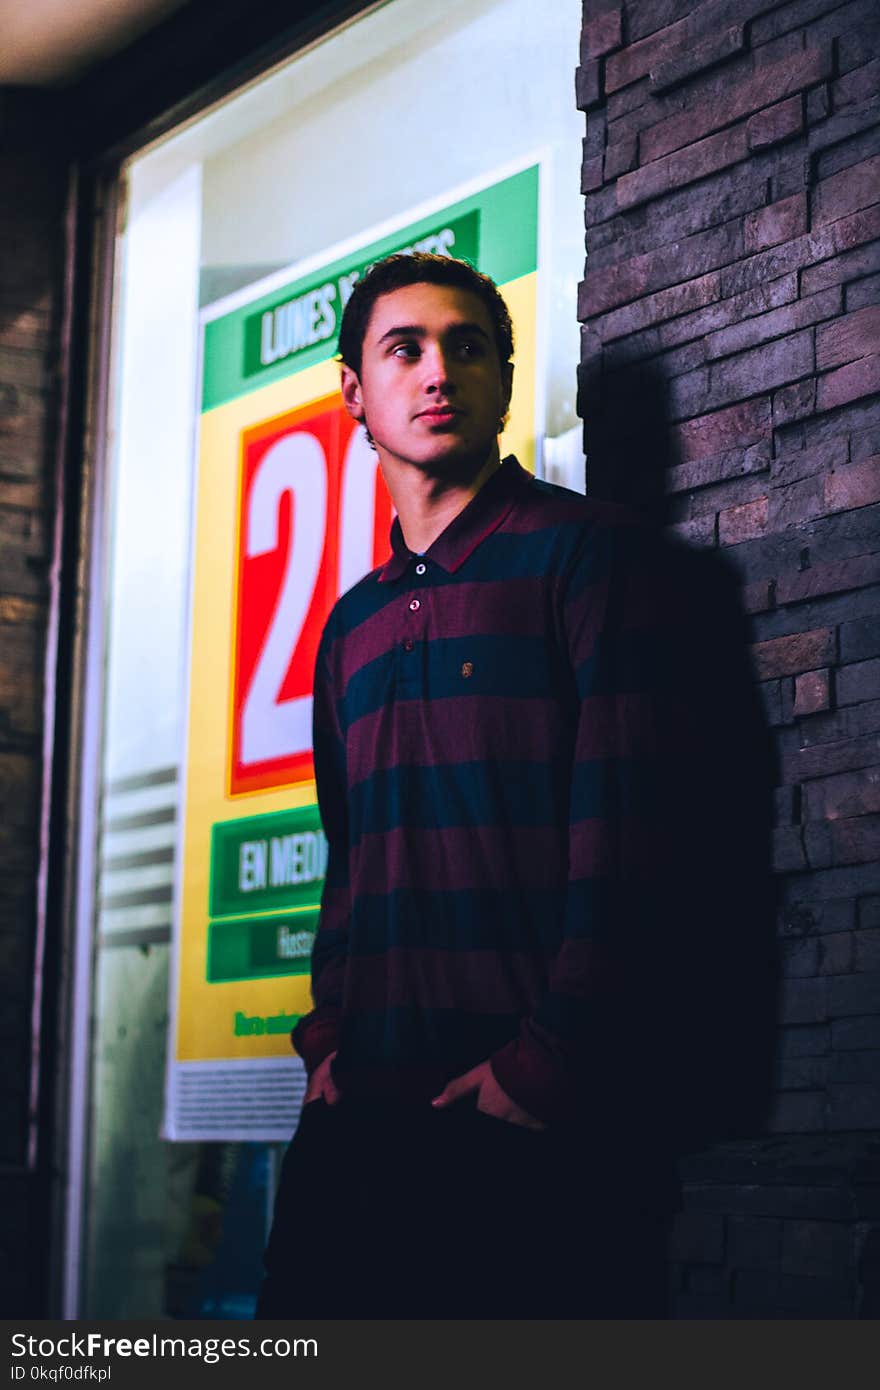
{"x":241,"y":234}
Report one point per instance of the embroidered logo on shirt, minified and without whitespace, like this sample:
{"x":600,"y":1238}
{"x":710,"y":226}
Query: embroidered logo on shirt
{"x":467,"y":669}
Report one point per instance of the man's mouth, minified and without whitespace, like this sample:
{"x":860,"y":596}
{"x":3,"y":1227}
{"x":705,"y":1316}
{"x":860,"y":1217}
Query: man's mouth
{"x":439,"y":414}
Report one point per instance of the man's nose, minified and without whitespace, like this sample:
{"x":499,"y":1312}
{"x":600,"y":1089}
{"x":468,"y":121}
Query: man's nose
{"x":438,"y":373}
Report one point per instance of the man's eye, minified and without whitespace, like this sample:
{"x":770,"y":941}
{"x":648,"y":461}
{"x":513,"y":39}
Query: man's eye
{"x":469,"y":348}
{"x":406,"y":350}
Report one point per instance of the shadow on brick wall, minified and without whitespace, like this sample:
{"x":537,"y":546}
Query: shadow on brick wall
{"x":708,"y":1017}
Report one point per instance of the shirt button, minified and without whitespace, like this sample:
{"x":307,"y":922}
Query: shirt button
{"x":408,"y":644}
{"x":420,"y":569}
{"x":415,"y":606}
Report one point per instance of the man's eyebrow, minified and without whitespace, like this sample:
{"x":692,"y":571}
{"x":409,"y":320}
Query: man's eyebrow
{"x":415,"y":330}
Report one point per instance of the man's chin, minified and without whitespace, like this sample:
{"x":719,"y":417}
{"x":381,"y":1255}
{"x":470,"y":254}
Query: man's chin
{"x":460,"y":464}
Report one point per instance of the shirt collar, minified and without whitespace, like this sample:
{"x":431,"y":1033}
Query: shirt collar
{"x":482,"y":515}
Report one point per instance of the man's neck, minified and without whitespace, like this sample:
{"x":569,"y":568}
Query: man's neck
{"x":425,"y":503}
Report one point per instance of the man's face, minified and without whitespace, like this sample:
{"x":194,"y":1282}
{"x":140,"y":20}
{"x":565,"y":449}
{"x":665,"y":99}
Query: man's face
{"x":431,"y":389}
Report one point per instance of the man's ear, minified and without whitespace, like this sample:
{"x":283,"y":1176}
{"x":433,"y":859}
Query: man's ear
{"x":506,"y":390}
{"x":351,"y":393}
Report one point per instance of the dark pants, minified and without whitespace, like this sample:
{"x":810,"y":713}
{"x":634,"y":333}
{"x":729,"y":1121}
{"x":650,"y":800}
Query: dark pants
{"x":392,"y":1214}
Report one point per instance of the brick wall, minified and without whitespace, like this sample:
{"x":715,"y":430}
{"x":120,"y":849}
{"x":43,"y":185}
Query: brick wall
{"x":731,"y":175}
{"x":31,"y":232}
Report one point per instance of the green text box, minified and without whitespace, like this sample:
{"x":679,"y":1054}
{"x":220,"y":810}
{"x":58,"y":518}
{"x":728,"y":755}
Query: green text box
{"x":256,"y":948}
{"x":263,"y":863}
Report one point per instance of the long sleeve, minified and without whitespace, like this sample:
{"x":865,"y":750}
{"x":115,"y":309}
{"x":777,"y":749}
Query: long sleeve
{"x":607,"y":621}
{"x":317,"y":1033}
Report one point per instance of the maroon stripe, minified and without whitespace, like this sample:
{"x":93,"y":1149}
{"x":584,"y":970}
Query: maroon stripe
{"x":603,"y":848}
{"x":500,"y":608}
{"x":456,"y":729}
{"x":484,"y":858}
{"x":473,"y":982}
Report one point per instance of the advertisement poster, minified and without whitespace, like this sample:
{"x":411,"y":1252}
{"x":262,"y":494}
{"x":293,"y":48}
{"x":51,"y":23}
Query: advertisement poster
{"x":290,"y":510}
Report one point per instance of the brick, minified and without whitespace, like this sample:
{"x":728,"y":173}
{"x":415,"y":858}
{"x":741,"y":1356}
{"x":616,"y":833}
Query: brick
{"x":778,"y":222}
{"x":793,"y":403}
{"x":804,"y":1000}
{"x":858,"y":46}
{"x":801,"y":1074}
{"x":763,"y":328}
{"x":802,"y":463}
{"x":859,"y":84}
{"x":860,"y":681}
{"x":821,"y":580}
{"x":658,"y":269}
{"x":806,"y":1040}
{"x":788,"y":851}
{"x":682,"y":167}
{"x":653,"y":308}
{"x":743,"y":97}
{"x":597,"y":134}
{"x":818,"y":104}
{"x":621,"y":156}
{"x":588,"y":85}
{"x":853,"y":995}
{"x":619,"y":105}
{"x":698,"y":531}
{"x":812,"y":692}
{"x":854,"y":1106}
{"x":736,"y":427}
{"x":856,"y":841}
{"x":784,"y":18}
{"x":724,"y":196}
{"x":848,"y":383}
{"x":829,"y":758}
{"x":732,"y":463}
{"x":636,"y":60}
{"x":800,"y":957}
{"x":854,"y":141}
{"x":591,"y":174}
{"x":854,"y":1068}
{"x":863,"y":293}
{"x":822,"y":917}
{"x":787,"y":656}
{"x":846,"y":192}
{"x":743,"y":523}
{"x":860,"y":639}
{"x":869,"y":913}
{"x":849,"y":722}
{"x":797,"y":1112}
{"x":850,"y":337}
{"x":698,"y":1236}
{"x":602,"y":34}
{"x":857,"y":1033}
{"x":864,"y":443}
{"x":801,"y":252}
{"x":867,"y":952}
{"x":777,"y":123}
{"x":836,"y":953}
{"x":841,"y":269}
{"x":844,"y":796}
{"x":729,"y":494}
{"x":708,"y":53}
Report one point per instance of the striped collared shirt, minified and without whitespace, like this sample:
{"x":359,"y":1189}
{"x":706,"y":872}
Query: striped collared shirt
{"x":483,"y":745}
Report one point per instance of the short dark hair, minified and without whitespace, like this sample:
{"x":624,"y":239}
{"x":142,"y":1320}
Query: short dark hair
{"x":418,"y":268}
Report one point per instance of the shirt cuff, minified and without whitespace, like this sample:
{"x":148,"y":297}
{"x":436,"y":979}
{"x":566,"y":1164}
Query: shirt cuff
{"x":316,"y":1036}
{"x":539,"y":1081}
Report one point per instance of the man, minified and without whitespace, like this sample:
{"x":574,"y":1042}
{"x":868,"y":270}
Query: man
{"x":473,"y":1139}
